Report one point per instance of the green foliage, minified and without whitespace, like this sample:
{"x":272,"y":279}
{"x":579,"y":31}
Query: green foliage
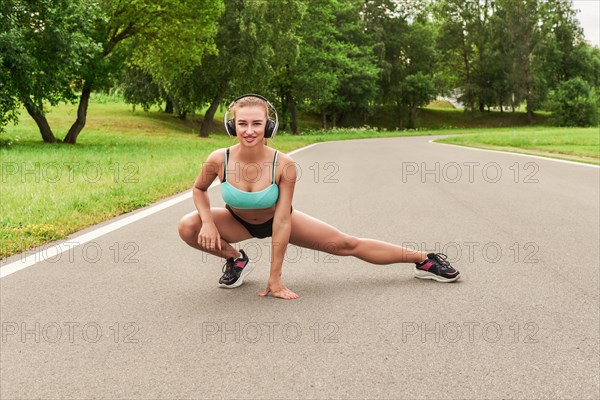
{"x":52,"y":47}
{"x":8,"y":101}
{"x":574,"y":103}
{"x":336,"y":71}
{"x":42,"y":43}
{"x":406,"y":55}
{"x":339,"y":59}
{"x":139,"y":88}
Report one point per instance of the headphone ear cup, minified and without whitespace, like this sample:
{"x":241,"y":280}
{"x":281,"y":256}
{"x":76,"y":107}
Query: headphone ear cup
{"x":230,"y":127}
{"x":269,"y":128}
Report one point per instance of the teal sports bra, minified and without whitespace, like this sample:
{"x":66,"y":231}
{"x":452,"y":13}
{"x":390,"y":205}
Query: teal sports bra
{"x":239,"y":199}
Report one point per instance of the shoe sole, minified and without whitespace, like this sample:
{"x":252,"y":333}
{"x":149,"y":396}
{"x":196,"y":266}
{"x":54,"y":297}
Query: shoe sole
{"x":245,"y":272}
{"x":428,"y":275}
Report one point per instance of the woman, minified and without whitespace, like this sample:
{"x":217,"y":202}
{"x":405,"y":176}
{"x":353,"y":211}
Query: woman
{"x":258,"y":187}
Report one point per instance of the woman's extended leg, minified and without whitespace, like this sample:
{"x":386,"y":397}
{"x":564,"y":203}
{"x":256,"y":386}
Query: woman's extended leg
{"x":311,"y":233}
{"x":231,"y":231}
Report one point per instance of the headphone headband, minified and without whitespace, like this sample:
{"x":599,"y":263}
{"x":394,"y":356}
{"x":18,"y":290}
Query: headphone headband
{"x":229,"y":123}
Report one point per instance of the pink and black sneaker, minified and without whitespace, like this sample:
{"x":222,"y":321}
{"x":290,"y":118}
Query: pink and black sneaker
{"x":234,"y":271}
{"x":436,"y":267}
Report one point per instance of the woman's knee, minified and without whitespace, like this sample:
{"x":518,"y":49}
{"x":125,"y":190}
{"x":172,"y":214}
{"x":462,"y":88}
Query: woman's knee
{"x":346,"y":245}
{"x":188,"y":227}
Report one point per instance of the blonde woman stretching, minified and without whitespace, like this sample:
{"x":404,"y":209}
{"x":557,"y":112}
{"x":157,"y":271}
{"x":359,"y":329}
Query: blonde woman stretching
{"x":260,"y":205}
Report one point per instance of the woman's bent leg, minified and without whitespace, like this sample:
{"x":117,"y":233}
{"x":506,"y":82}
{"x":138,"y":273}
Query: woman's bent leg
{"x":231,"y":231}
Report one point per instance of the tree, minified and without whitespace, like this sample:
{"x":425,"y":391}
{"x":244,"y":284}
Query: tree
{"x":42,"y":44}
{"x":406,"y":55}
{"x":52,"y":48}
{"x":139,"y":88}
{"x":170,"y":38}
{"x":574,"y":103}
{"x":8,"y":101}
{"x":336,"y":72}
{"x":458,"y":25}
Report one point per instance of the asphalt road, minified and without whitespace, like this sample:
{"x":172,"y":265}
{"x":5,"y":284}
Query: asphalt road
{"x":137,"y":314}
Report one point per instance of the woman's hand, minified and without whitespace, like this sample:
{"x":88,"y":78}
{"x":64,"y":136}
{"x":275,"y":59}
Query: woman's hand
{"x":209,"y":237}
{"x":277,"y":288}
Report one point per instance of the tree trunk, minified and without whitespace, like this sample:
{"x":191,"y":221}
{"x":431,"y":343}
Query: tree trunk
{"x":412,"y":116}
{"x":169,"y":106}
{"x":41,"y":121}
{"x":512,"y":102}
{"x":465,"y":55}
{"x":210,"y":114}
{"x":294,"y":114}
{"x":529,"y":111}
{"x":400,"y":119}
{"x":77,"y":127}
{"x":528,"y":106}
{"x":481,"y":106}
{"x":282,"y":111}
{"x":323,"y":120}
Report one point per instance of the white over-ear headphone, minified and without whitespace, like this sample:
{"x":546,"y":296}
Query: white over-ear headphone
{"x":270,"y":128}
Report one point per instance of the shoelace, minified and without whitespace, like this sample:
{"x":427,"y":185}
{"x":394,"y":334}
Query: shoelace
{"x":441,"y":259}
{"x":227,"y":267}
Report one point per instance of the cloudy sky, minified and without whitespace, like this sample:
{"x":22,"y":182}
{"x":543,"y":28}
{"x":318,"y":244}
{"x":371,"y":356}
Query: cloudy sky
{"x":589,"y":17}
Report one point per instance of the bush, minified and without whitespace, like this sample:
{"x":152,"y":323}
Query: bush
{"x":574,"y":103}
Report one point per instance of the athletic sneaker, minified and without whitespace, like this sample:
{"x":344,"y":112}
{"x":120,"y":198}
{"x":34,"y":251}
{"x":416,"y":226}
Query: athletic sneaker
{"x":234,"y":271}
{"x":436,"y":267}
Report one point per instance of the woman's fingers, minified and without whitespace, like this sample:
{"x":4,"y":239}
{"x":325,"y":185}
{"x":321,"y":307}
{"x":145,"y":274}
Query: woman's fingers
{"x":210,"y":242}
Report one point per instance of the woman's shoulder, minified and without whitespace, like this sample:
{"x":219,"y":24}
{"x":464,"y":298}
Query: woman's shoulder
{"x":284,"y":158}
{"x":217,"y":155}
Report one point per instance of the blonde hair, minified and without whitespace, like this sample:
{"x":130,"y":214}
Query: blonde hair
{"x":251,"y":101}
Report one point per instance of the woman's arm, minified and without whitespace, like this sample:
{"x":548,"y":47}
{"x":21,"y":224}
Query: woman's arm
{"x":282,"y":227}
{"x":209,"y":235}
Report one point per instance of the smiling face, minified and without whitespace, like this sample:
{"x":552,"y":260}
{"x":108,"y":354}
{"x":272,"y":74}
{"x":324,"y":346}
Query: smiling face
{"x":250,"y":122}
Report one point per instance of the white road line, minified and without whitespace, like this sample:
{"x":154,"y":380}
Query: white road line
{"x":54,"y":250}
{"x":517,"y":154}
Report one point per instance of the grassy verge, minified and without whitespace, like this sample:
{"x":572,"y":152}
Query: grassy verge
{"x":574,"y":144}
{"x":125,"y":160}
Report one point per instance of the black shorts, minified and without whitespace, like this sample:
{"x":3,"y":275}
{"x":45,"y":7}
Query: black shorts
{"x":259,"y":231}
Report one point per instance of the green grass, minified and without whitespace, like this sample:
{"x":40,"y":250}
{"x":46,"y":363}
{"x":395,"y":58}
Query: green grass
{"x":124,"y":160}
{"x":575,"y":144}
{"x":443,"y":104}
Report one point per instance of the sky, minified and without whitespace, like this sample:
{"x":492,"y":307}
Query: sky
{"x":589,"y":18}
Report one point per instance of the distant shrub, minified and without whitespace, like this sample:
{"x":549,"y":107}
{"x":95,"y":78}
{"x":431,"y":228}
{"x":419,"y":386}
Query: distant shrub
{"x":574,"y":103}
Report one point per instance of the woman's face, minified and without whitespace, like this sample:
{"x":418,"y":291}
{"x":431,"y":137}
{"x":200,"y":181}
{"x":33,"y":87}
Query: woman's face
{"x":250,"y":124}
